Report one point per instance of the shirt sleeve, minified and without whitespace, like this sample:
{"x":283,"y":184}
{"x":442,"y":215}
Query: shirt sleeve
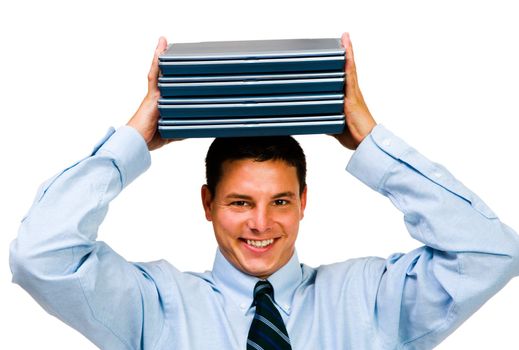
{"x":57,"y":259}
{"x":469,"y":254}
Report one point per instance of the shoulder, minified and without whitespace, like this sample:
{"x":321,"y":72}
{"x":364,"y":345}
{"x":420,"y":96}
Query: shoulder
{"x":351,"y":268}
{"x":352,"y":274}
{"x":164,"y":274}
{"x":351,"y":284}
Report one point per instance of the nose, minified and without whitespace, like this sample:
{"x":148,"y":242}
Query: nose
{"x":260,"y":220}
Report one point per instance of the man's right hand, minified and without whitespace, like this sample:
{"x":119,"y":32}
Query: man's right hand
{"x":145,"y":120}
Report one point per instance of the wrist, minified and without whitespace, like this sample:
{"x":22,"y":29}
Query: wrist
{"x":135,"y":125}
{"x":146,"y":117}
{"x":362,"y":131}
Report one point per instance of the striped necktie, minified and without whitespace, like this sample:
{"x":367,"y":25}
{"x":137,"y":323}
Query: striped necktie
{"x":267,"y":330}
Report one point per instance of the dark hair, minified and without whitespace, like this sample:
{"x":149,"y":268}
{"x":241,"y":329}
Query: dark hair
{"x":259,"y":149}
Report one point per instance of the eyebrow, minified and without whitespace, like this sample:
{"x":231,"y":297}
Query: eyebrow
{"x":284,"y":194}
{"x":246,"y":197}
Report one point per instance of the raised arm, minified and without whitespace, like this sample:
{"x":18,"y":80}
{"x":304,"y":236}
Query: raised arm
{"x":419,"y":298}
{"x":57,"y":258}
{"x":468,"y":255}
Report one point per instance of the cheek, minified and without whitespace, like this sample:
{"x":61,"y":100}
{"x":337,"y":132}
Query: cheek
{"x":290,"y":223}
{"x":228,"y":224}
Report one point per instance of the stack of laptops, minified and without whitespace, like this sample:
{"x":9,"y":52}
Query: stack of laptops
{"x":252,"y":88}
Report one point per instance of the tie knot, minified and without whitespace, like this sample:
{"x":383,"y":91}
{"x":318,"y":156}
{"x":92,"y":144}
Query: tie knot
{"x":263,"y":288}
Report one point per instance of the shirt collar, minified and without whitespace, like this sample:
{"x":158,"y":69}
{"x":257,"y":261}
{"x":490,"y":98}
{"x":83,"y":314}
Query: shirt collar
{"x":238,"y":286}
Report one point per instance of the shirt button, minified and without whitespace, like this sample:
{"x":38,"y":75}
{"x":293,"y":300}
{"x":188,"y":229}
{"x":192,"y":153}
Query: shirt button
{"x":437,"y":174}
{"x":243,"y":306}
{"x":386,"y":142}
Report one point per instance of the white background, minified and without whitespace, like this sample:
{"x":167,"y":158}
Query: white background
{"x":441,"y":75}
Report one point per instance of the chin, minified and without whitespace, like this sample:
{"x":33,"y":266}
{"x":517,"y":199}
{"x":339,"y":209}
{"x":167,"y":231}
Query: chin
{"x":259,"y":272}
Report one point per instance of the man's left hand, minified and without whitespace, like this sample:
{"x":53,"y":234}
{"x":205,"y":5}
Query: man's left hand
{"x":359,"y":121}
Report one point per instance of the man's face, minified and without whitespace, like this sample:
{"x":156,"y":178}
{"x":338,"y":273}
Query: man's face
{"x":255,"y":212}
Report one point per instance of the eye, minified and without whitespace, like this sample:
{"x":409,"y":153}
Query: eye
{"x":239,"y":203}
{"x":280,"y":202}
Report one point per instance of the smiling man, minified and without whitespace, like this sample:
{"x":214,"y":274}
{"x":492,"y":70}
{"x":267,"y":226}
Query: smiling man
{"x":258,"y":295}
{"x":257,"y":205}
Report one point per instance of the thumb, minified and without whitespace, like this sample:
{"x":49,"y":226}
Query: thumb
{"x":153,"y":75}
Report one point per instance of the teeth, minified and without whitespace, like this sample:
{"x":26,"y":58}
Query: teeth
{"x":260,"y":244}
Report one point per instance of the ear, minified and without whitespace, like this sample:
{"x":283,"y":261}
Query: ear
{"x":303,"y":202}
{"x":207,"y":200}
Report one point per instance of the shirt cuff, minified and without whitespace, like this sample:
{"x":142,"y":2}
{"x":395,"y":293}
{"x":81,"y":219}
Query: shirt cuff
{"x":377,"y":153}
{"x":128,"y":150}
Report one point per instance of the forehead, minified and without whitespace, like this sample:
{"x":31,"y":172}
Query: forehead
{"x":254,"y":176}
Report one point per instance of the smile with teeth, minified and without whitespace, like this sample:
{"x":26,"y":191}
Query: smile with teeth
{"x":260,"y":244}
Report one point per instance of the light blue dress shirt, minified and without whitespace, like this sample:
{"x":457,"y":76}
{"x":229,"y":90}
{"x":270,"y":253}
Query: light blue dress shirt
{"x":408,"y":301}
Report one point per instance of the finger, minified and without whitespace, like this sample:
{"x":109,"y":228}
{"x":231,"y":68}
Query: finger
{"x":153,"y":75}
{"x":349,"y":68}
{"x":351,"y":88}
